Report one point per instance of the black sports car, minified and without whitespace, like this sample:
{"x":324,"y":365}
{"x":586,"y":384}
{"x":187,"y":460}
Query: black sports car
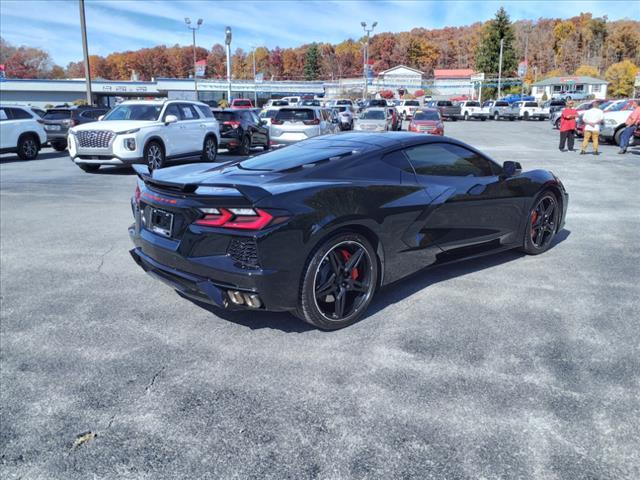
{"x":317,"y":227}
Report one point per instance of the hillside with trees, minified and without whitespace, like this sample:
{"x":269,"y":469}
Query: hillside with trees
{"x":581,"y":44}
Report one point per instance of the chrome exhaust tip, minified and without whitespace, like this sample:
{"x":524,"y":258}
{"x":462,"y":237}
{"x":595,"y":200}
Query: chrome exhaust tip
{"x":235,"y":297}
{"x":252,"y":300}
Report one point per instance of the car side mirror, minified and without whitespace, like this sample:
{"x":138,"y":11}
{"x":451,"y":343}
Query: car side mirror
{"x":334,"y":120}
{"x":263,"y":122}
{"x":170,"y":119}
{"x":100,"y":118}
{"x":509,"y":168}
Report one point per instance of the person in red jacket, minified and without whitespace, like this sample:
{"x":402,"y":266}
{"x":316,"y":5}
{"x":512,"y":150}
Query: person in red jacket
{"x":568,"y":126}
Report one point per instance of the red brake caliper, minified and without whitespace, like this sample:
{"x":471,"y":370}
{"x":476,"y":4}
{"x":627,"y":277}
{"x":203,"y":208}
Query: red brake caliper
{"x":354,"y":272}
{"x":534,"y":217}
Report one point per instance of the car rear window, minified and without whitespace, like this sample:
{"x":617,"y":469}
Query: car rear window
{"x":242,"y":103}
{"x":502,"y":104}
{"x":473,"y":104}
{"x":295,"y":115}
{"x":427,"y":115}
{"x":293,"y":156}
{"x":530,"y":104}
{"x":225,"y":116}
{"x":268,"y":113}
{"x":443,"y":103}
{"x":372,"y":115}
{"x":344,"y":102}
{"x":57,"y":115}
{"x":412,"y":103}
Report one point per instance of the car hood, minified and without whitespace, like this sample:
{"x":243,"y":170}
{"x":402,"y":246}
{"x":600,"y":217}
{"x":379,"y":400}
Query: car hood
{"x":115,"y":125}
{"x":431,"y":123}
{"x":371,"y":122}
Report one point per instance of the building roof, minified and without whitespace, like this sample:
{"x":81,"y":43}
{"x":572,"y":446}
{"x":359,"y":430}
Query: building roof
{"x":570,"y":79}
{"x":453,"y":72}
{"x":398,"y":67}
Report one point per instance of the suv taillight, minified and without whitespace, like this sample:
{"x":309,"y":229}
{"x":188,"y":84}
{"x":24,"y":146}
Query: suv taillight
{"x":239,"y":218}
{"x":232,"y":123}
{"x":276,"y":122}
{"x":315,"y":121}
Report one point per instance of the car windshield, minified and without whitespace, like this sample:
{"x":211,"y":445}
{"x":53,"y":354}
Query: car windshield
{"x":344,"y":102}
{"x":427,"y":115}
{"x":372,"y":115}
{"x":473,"y":104}
{"x":412,"y":103}
{"x":502,"y":104}
{"x":134,"y":112}
{"x":280,"y":103}
{"x":531,"y":104}
{"x":295,"y":115}
{"x":291,"y":157}
{"x":242,"y":103}
{"x":616,"y":107}
{"x":310,"y":103}
{"x":225,"y":116}
{"x":341,"y":109}
{"x":445,"y":104}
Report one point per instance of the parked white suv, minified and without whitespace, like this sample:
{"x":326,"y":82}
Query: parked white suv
{"x":20,"y":131}
{"x":146,"y":131}
{"x":613,"y":123}
{"x":407,"y":108}
{"x":529,"y":110}
{"x":473,"y":109}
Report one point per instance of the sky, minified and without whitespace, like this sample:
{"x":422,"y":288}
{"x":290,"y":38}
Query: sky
{"x":119,"y":25}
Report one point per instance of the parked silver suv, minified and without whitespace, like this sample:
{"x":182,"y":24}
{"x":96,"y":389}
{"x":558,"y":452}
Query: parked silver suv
{"x":293,"y":124}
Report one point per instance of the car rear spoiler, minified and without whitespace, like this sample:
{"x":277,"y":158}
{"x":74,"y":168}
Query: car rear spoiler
{"x":250,"y":192}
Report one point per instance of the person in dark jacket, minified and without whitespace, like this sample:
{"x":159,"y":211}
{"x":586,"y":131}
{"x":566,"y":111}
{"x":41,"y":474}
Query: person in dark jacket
{"x":568,"y":126}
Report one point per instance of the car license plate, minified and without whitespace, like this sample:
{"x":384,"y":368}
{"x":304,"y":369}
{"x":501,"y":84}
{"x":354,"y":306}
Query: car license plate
{"x":52,"y":127}
{"x":161,"y":222}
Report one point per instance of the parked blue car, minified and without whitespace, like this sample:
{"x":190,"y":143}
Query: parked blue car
{"x":516,"y":97}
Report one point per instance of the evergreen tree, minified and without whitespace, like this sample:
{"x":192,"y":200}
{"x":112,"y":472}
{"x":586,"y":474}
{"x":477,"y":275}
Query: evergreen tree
{"x":488,"y":51}
{"x":312,"y":62}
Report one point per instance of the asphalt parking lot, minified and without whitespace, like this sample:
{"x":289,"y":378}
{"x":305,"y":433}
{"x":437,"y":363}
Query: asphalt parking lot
{"x":507,"y":367}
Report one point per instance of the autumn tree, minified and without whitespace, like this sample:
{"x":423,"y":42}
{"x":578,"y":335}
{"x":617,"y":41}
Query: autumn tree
{"x":621,"y":77}
{"x":312,"y":62}
{"x":488,"y":52}
{"x":587,"y":71}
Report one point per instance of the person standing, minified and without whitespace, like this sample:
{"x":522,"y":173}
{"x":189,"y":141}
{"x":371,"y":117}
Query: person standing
{"x":568,"y":126}
{"x":632,"y":122}
{"x":592,"y":119}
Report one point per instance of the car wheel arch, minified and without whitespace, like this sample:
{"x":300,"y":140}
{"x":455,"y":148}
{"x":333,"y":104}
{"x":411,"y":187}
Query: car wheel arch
{"x":32,"y":134}
{"x":158,"y":139}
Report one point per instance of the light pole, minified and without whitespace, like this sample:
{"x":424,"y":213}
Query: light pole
{"x":85,"y":51}
{"x":227,"y":42}
{"x":500,"y":68}
{"x":366,"y":56}
{"x":255,"y":85}
{"x":526,"y":62}
{"x":187,"y":20}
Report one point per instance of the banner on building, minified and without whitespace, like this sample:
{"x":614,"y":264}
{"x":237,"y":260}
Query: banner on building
{"x":522,"y":69}
{"x":201,"y":68}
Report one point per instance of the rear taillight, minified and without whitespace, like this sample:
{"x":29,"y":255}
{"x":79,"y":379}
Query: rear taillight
{"x":239,"y":218}
{"x":315,"y":121}
{"x":276,"y":122}
{"x":136,"y":195}
{"x":232,"y":123}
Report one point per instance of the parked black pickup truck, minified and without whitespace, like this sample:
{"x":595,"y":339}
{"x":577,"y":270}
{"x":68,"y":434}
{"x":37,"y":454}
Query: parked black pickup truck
{"x":448,"y":111}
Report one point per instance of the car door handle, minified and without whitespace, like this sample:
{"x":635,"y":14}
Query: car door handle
{"x":202,"y":125}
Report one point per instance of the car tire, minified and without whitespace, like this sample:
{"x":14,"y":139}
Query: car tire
{"x":28,"y":147}
{"x":59,"y":146}
{"x":526,"y":116}
{"x":154,"y":155}
{"x":496,"y":116}
{"x":89,"y":167}
{"x":331,"y":258}
{"x":542,"y":224}
{"x":466,"y":116}
{"x":245,"y":146}
{"x":210,"y":149}
{"x":511,"y":119}
{"x":557,"y":124}
{"x":267,"y":145}
{"x":482,"y":119}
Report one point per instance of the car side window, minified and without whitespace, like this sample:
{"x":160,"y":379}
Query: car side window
{"x":187,"y":112}
{"x":205,"y":111}
{"x":3,"y":114}
{"x":172,"y":109}
{"x":19,"y":114}
{"x":254,"y":117}
{"x":399,"y":160}
{"x":446,"y":159}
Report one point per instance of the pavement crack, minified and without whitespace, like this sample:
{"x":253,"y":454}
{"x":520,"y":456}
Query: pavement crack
{"x":104,"y":255}
{"x":153,"y":380}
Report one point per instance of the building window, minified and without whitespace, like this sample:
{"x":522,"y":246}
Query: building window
{"x":596,"y":87}
{"x":557,"y":88}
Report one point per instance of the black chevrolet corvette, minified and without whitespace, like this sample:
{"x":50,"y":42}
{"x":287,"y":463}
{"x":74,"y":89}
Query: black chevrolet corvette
{"x":317,"y":227}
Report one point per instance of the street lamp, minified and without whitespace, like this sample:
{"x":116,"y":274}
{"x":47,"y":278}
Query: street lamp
{"x":366,"y":56}
{"x":187,"y":20}
{"x":227,"y":41}
{"x":255,"y":85}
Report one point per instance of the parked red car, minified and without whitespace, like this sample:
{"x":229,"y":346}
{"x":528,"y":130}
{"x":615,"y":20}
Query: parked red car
{"x":241,"y":103}
{"x":427,"y":121}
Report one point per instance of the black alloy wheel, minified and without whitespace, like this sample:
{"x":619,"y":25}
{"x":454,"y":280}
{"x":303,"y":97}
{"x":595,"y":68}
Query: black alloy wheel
{"x":59,"y":146}
{"x":89,"y":167}
{"x":466,"y":116}
{"x":526,"y":115}
{"x":154,"y":155}
{"x":496,"y":116}
{"x":542,"y":224}
{"x":339,"y":282}
{"x":210,"y":150}
{"x":245,"y":145}
{"x":28,"y":147}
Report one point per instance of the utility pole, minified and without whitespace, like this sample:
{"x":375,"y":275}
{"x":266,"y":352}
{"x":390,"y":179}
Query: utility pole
{"x":366,"y":58}
{"x":526,"y":62}
{"x":227,"y":41}
{"x":85,"y":50}
{"x":187,"y":20}
{"x":255,"y":85}
{"x":500,"y":68}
